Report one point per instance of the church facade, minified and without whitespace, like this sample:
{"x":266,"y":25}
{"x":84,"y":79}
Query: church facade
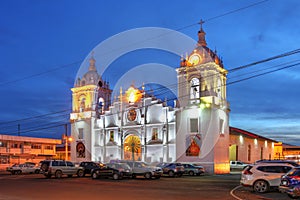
{"x":137,"y":126}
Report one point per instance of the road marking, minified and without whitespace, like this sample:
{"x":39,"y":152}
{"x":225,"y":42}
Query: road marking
{"x":233,"y":195}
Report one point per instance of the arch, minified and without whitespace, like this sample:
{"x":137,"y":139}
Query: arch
{"x":195,"y":88}
{"x":132,"y":147}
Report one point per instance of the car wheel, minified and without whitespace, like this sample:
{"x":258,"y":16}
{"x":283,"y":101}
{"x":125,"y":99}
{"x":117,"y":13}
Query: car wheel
{"x":80,"y":173}
{"x":191,"y":173}
{"x":37,"y":171}
{"x":18,"y":172}
{"x":94,"y":175}
{"x":58,"y":174}
{"x":261,"y":186}
{"x":115,"y":176}
{"x":171,"y":173}
{"x":148,"y":175}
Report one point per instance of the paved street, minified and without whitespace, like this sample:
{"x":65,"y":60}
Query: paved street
{"x":25,"y":187}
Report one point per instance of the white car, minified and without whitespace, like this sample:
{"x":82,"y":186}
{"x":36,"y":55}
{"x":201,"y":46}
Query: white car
{"x":263,"y":176}
{"x":23,"y":168}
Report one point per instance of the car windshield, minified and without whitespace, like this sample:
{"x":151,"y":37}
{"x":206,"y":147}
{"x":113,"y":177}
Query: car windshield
{"x":124,"y":166}
{"x":294,"y":172}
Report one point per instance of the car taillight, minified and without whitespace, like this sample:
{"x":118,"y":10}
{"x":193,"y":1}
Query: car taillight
{"x":247,"y":172}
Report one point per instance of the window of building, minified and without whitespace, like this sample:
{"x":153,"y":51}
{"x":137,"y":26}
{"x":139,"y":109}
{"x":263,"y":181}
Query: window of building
{"x":3,"y":144}
{"x":82,"y":104}
{"x":48,"y":147}
{"x":221,"y":126}
{"x":80,"y":133}
{"x":14,"y":145}
{"x":101,"y":105}
{"x":112,"y":136}
{"x":194,"y":125}
{"x":249,"y":153}
{"x":195,"y":88}
{"x":154,"y":134}
{"x":36,"y":146}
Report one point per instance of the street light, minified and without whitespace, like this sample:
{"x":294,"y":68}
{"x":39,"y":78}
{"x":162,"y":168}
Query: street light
{"x":67,"y":140}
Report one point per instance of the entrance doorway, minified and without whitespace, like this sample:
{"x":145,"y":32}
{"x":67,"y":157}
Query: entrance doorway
{"x":132,"y":148}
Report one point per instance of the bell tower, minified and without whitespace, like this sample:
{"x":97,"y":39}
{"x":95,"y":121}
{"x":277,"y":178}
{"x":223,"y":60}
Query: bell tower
{"x":202,"y":119}
{"x":90,"y":97}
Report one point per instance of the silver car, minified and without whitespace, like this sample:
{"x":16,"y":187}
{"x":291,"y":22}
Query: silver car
{"x":143,"y":169}
{"x":58,"y":168}
{"x":23,"y":168}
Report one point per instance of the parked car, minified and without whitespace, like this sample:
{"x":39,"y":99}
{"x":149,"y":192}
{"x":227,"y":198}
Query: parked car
{"x":173,"y":169}
{"x":123,"y":168}
{"x":106,"y":172}
{"x":237,"y":165}
{"x":23,"y":168}
{"x":88,"y":166}
{"x":262,"y":176}
{"x":290,"y":183}
{"x":140,"y":168}
{"x":58,"y":168}
{"x":192,"y":170}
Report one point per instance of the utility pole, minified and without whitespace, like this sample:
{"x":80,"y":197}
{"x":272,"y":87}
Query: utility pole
{"x":67,"y":140}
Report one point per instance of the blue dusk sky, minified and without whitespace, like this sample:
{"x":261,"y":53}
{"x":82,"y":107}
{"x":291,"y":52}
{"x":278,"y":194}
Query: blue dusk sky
{"x":43,"y":44}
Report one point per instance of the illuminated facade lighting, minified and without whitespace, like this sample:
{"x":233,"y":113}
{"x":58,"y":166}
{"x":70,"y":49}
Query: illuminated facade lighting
{"x":266,"y":143}
{"x":255,"y":141}
{"x":241,"y":139}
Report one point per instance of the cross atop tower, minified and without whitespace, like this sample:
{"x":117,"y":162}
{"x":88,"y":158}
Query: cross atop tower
{"x":201,"y":22}
{"x":201,"y":35}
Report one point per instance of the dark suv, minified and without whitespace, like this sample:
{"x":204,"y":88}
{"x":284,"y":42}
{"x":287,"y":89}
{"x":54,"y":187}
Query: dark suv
{"x":290,"y":183}
{"x":106,"y":172}
{"x":173,"y":169}
{"x":123,"y":168}
{"x":58,"y":168}
{"x":88,"y":166}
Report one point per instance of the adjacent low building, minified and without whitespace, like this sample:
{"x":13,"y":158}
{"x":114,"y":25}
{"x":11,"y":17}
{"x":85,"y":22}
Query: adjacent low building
{"x":20,"y":149}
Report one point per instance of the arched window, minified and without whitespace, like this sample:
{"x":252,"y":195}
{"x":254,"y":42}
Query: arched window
{"x":195,"y":88}
{"x":101,"y":105}
{"x":82,"y":104}
{"x":219,"y":88}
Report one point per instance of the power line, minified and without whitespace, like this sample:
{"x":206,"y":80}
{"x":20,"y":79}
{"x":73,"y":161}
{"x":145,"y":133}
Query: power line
{"x":38,"y":116}
{"x":236,"y":10}
{"x":39,"y":74}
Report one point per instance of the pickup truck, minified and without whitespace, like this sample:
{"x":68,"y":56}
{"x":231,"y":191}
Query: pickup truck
{"x":237,"y":165}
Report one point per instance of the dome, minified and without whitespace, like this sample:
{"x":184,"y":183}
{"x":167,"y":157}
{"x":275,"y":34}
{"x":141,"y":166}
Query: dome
{"x":91,"y":77}
{"x":201,"y":54}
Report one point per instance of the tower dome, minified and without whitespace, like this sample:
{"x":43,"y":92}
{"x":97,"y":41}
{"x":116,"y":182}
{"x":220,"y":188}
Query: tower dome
{"x":201,"y":54}
{"x":91,"y":77}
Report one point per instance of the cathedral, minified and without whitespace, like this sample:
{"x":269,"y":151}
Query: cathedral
{"x":138,"y":126}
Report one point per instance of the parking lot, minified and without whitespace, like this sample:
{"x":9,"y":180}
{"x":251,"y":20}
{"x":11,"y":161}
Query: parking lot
{"x":36,"y":186}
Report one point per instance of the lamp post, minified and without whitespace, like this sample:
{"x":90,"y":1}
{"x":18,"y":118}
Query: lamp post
{"x":67,"y":140}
